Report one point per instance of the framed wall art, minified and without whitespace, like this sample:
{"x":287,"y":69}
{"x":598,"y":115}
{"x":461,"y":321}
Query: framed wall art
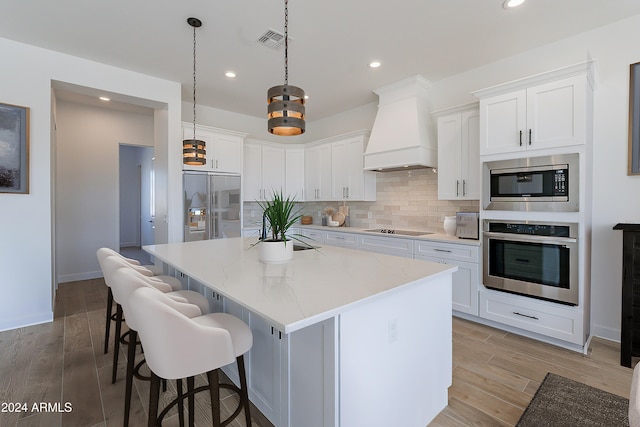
{"x":634,"y":120}
{"x":14,"y":149}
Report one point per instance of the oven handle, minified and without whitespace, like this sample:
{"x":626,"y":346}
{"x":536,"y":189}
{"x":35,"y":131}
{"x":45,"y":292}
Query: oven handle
{"x":529,"y":238}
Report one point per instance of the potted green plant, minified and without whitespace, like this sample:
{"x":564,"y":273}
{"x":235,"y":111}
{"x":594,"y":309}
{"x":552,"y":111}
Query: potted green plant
{"x":279,"y":214}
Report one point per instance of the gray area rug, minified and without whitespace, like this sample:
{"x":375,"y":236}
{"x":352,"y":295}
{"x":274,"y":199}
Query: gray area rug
{"x":563,"y":402}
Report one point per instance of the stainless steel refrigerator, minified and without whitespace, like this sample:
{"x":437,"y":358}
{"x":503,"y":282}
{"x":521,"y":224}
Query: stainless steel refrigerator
{"x":211,"y":205}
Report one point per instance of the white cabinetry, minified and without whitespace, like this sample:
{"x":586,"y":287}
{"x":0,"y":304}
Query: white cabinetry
{"x":317,"y":171}
{"x":224,"y":148}
{"x":315,"y":237}
{"x":542,"y":112}
{"x":465,"y":280}
{"x":294,"y":173}
{"x":350,"y":180}
{"x":344,"y":240}
{"x":264,"y":170}
{"x":386,"y":245}
{"x":334,"y":169}
{"x":458,"y":154}
{"x":553,"y":320}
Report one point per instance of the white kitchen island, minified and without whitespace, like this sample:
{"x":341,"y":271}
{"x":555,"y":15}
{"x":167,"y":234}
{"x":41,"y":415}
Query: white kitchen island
{"x":341,"y":337}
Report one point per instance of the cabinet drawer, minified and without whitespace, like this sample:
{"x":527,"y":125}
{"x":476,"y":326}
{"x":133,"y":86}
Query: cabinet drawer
{"x":315,"y":236}
{"x":346,"y":240}
{"x":387,"y":245}
{"x":450,"y":251}
{"x":532,"y":315}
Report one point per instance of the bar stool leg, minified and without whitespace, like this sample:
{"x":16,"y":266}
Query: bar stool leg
{"x":116,"y":343}
{"x":180,"y":402}
{"x":154,"y":396}
{"x":244,"y":397}
{"x":131,"y":354}
{"x":214,"y":392}
{"x":191,"y":401}
{"x":107,"y":327}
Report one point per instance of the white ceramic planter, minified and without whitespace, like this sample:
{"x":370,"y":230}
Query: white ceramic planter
{"x":450,"y":225}
{"x":275,"y":252}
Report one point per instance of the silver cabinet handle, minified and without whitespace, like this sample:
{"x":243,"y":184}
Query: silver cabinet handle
{"x":216,"y":164}
{"x":464,"y":187}
{"x":442,"y":250}
{"x":457,"y":188}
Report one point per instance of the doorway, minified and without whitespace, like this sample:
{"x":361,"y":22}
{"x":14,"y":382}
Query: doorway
{"x":136,"y":200}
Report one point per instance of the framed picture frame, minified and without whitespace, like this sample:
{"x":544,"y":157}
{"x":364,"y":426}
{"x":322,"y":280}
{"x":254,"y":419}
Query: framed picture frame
{"x":633,"y":167}
{"x":14,"y":149}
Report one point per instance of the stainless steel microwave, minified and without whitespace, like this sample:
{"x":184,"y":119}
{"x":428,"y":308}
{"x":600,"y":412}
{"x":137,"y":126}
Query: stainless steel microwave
{"x":549,"y":183}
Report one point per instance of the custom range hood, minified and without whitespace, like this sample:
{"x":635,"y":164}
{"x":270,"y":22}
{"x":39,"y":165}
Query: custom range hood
{"x":402,"y":136}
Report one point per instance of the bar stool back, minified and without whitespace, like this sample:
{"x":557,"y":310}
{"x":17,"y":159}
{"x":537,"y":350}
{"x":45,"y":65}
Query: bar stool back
{"x":179,"y":347}
{"x":148,"y":270}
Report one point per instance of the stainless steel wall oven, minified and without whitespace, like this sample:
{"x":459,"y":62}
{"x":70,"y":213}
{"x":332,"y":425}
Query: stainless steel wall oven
{"x":535,"y":259}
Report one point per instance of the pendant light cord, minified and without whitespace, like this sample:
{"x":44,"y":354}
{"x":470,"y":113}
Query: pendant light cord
{"x":194,"y":82}
{"x":286,"y":42}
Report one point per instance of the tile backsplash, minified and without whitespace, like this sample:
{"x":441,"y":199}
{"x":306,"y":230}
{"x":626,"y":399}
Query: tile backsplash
{"x":405,"y":200}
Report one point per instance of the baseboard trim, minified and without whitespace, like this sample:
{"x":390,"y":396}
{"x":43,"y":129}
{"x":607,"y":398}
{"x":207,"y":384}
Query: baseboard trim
{"x":22,"y":322}
{"x":65,"y":278}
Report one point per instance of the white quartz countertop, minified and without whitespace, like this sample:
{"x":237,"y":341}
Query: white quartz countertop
{"x":314,"y":286}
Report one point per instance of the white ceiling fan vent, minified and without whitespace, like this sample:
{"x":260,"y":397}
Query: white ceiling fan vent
{"x":272,"y":38}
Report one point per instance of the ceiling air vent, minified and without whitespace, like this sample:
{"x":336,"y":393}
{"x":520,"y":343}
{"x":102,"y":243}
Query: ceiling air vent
{"x":272,"y":38}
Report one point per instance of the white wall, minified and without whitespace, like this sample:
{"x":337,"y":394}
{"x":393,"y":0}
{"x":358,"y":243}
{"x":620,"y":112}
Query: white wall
{"x":26,"y":225}
{"x":87,"y":212}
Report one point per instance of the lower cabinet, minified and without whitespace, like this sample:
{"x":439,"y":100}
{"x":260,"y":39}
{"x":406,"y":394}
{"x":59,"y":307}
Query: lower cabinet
{"x":314,"y":237}
{"x":344,"y":240}
{"x":385,"y":245}
{"x":553,"y":320}
{"x":465,"y":280}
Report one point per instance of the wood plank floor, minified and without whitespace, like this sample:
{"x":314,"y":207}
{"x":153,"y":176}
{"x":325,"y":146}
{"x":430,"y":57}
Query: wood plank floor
{"x":495,"y":373}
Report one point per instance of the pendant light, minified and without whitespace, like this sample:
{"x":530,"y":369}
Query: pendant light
{"x":194,"y":150}
{"x":286,"y":111}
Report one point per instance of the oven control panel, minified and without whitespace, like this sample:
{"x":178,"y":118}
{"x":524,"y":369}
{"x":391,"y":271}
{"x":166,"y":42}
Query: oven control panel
{"x":531,"y":229}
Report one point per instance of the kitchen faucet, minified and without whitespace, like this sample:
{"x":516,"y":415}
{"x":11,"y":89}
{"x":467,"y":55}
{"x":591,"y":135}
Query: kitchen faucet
{"x":264,"y":226}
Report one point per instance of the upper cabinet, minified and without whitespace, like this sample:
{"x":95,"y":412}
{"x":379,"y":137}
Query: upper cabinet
{"x":224,"y":148}
{"x":328,"y":170}
{"x":458,"y":153}
{"x":334,"y":169}
{"x":294,"y":173}
{"x":542,"y":112}
{"x":350,"y":180}
{"x":264,"y":171}
{"x":317,"y":172}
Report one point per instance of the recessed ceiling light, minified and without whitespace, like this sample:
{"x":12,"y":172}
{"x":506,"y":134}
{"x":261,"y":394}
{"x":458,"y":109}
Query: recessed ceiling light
{"x":306,"y":97}
{"x":375,"y":64}
{"x":104,"y":98}
{"x":510,"y":4}
{"x":230,"y":74}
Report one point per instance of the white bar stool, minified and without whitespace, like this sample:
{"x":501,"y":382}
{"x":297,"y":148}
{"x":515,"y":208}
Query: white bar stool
{"x":177,"y":346}
{"x":124,"y":282}
{"x":148,"y":270}
{"x":112,"y":263}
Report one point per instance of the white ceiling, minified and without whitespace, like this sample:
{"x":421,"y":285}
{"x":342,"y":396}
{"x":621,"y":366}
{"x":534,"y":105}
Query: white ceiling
{"x":333,"y":41}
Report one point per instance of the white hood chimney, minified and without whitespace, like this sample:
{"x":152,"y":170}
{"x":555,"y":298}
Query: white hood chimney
{"x":402,"y":136}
